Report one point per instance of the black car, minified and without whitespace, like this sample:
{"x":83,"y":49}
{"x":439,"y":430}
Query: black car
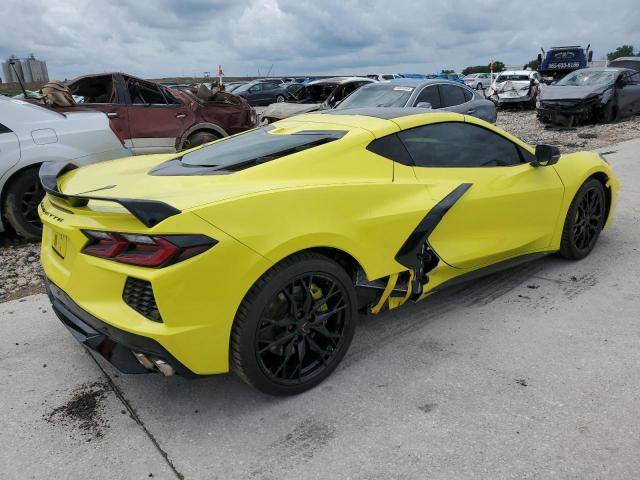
{"x":591,"y":95}
{"x":263,"y":93}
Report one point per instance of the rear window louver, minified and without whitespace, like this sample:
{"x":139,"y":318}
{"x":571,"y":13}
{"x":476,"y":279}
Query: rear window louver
{"x":243,"y":151}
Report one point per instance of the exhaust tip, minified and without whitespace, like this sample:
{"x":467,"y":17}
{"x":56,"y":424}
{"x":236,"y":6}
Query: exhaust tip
{"x":155,"y":364}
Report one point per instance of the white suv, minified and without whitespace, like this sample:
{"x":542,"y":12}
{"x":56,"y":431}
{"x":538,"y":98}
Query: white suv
{"x":30,"y":135}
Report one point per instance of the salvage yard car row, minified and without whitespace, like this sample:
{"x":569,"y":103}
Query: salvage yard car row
{"x":146,"y":117}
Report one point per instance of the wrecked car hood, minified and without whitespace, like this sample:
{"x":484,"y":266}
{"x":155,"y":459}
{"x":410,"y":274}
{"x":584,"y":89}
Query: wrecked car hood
{"x":286,"y":110}
{"x":555,"y":92}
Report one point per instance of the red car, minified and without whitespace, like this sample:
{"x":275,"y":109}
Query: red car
{"x":152,"y":118}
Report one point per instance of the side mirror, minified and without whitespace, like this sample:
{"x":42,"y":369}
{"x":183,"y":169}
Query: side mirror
{"x":590,"y":57}
{"x":424,"y":105}
{"x":546,"y":155}
{"x":539,"y":59}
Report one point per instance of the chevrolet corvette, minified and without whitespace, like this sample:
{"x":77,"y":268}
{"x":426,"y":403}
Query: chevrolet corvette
{"x":255,"y":253}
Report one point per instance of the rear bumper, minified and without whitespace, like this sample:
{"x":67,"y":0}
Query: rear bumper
{"x":114,"y":345}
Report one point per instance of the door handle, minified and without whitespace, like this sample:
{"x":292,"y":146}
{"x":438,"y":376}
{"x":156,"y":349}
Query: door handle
{"x":472,"y":111}
{"x":181,"y":115}
{"x":112,"y":115}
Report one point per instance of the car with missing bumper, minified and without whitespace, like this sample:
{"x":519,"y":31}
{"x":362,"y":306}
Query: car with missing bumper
{"x":439,"y":95}
{"x":511,"y":87}
{"x":317,"y":95}
{"x":256,"y":252}
{"x":31,"y":135}
{"x":591,"y":95}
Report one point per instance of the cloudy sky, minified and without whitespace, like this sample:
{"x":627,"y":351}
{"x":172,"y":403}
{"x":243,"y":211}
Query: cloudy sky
{"x":163,"y":38}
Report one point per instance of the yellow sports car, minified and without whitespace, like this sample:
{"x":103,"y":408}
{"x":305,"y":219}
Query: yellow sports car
{"x":256,"y":252}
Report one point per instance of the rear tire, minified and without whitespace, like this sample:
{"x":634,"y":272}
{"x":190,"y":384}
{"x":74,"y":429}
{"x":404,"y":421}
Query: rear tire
{"x":479,"y":87}
{"x":584,"y":222}
{"x":280,"y":99}
{"x":199,"y":138}
{"x":284,"y":339}
{"x":24,"y":194}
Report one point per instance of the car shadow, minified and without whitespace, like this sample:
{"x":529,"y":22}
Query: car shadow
{"x":227,"y":394}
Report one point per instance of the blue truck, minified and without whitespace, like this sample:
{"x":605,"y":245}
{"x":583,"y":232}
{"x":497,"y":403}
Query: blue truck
{"x":556,"y":62}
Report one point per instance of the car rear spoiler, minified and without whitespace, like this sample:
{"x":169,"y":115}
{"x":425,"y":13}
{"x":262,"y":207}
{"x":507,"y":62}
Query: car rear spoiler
{"x":149,"y":212}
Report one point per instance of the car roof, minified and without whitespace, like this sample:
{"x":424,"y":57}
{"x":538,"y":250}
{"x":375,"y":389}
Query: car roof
{"x":383,"y":113}
{"x":516,"y":72}
{"x":606,"y":69}
{"x":340,"y":80}
{"x":416,"y":82}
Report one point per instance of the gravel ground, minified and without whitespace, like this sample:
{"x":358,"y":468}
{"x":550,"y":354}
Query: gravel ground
{"x":525,"y":125}
{"x":20,"y":268}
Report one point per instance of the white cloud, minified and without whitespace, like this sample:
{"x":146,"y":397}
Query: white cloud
{"x":156,"y":38}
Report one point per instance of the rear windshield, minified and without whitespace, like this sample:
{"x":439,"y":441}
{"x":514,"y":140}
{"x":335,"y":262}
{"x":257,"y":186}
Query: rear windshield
{"x":512,"y":78}
{"x":256,"y":146}
{"x":378,"y":96}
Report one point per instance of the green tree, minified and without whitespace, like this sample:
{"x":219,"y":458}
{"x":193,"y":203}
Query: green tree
{"x":476,"y":69}
{"x":498,"y":66}
{"x":622,"y":51}
{"x":533,"y":64}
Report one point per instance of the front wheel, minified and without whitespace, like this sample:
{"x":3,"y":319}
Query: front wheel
{"x":584,"y":222}
{"x":24,"y":194}
{"x":479,"y":86}
{"x":280,"y":99}
{"x":294,"y":326}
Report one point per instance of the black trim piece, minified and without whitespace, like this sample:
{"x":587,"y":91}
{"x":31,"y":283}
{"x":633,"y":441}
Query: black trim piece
{"x":149,"y":212}
{"x":491,"y":269}
{"x":5,"y":129}
{"x":115,"y":345}
{"x":408,"y":255}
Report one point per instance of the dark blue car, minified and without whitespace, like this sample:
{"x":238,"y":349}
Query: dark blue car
{"x":263,"y":93}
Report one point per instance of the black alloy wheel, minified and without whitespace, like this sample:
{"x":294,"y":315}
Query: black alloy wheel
{"x":302,"y":328}
{"x":23,"y":197}
{"x":585,"y":220}
{"x":587,"y":223}
{"x":295,"y":325}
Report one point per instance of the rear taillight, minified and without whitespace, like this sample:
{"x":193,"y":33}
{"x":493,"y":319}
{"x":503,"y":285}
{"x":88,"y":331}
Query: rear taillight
{"x":145,"y":250}
{"x":116,"y":132}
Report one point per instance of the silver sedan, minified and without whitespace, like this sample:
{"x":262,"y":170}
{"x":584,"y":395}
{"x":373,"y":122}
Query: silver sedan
{"x":433,"y":94}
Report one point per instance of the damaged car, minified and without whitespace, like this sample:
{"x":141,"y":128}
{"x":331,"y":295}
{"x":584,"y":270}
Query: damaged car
{"x":317,"y":95}
{"x":155,"y":119}
{"x":433,"y":94}
{"x":31,"y":135}
{"x":591,"y":95}
{"x":515,"y":87}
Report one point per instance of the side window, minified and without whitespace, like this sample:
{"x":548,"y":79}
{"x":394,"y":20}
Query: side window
{"x":143,"y":93}
{"x":431,"y":95}
{"x":467,"y":95}
{"x":170,"y":98}
{"x":461,"y":145}
{"x":100,"y":89}
{"x":391,"y":147}
{"x":451,"y":95}
{"x":635,"y":78}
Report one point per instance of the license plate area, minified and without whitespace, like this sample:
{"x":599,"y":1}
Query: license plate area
{"x":59,"y":243}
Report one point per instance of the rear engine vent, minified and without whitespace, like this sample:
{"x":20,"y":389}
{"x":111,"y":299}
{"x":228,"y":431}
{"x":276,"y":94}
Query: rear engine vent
{"x":138,"y":294}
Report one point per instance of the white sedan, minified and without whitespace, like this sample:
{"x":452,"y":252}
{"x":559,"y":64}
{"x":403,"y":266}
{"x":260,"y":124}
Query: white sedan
{"x":30,"y":135}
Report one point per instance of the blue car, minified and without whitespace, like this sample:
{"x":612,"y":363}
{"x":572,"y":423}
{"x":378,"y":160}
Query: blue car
{"x":263,"y":93}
